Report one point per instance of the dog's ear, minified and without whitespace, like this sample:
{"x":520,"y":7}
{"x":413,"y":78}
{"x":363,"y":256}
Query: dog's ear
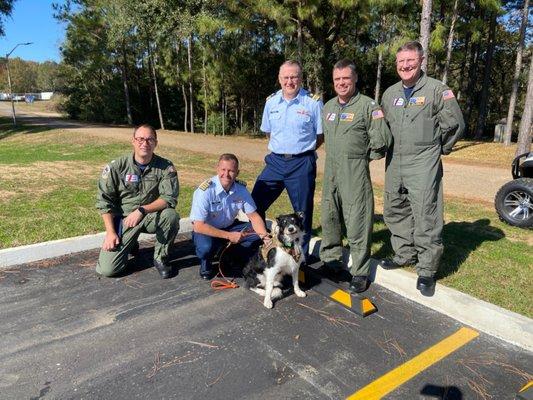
{"x":300,"y":214}
{"x":275,"y":229}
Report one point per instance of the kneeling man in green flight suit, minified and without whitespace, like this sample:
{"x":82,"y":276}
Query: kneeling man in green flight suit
{"x":425,"y":121}
{"x":138,"y":193}
{"x":355,"y":133}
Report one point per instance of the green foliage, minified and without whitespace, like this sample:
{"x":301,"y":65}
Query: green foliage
{"x":438,"y":38}
{"x":236,"y":47}
{"x":31,"y":76}
{"x":6,"y":7}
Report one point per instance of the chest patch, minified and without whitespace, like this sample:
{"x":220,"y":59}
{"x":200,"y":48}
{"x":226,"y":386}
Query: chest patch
{"x":346,"y":117}
{"x":331,"y":117}
{"x":417,"y":101}
{"x":398,"y":102}
{"x":131,"y":178}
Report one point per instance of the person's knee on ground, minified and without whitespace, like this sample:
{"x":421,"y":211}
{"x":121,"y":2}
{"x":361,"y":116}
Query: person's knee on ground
{"x":110,"y":264}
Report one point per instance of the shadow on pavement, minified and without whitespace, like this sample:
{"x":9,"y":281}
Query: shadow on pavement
{"x":442,"y":392}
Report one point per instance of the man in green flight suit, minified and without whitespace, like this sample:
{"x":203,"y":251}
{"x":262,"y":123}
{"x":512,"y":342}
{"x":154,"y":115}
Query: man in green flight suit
{"x":355,"y":133}
{"x":426,"y":121}
{"x":137,"y":193}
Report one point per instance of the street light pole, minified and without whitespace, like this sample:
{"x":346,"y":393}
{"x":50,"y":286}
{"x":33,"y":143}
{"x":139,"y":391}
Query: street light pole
{"x":11,"y":94}
{"x":9,"y":81}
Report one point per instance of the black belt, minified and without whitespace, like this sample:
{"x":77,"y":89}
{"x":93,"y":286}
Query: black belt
{"x":287,"y":156}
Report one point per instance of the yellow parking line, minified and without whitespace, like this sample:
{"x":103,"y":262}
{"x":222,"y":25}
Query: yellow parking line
{"x":401,"y":374}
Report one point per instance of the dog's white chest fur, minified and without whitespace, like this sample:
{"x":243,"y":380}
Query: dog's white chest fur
{"x":266,"y":271}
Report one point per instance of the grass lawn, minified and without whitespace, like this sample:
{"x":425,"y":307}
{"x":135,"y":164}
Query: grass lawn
{"x":48,"y":184}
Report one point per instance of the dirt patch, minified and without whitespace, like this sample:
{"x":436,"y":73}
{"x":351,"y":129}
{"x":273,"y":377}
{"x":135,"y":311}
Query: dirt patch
{"x":43,"y":177}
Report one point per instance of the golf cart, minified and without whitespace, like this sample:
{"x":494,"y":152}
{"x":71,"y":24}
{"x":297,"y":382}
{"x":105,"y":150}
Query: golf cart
{"x":514,"y":200}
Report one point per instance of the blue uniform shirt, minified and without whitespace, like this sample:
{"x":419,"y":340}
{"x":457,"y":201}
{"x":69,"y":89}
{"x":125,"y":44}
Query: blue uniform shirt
{"x":293,"y":125}
{"x":217,"y":207}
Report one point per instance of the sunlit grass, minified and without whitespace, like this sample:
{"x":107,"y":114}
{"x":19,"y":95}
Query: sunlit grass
{"x":48,"y":188}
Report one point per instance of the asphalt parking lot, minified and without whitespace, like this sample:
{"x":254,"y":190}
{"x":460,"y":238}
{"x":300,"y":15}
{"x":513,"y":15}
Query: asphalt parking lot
{"x":67,"y":334}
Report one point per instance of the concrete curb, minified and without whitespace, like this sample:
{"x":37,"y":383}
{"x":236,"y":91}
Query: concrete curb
{"x":61,"y":247}
{"x":485,"y":317}
{"x":488,"y":318}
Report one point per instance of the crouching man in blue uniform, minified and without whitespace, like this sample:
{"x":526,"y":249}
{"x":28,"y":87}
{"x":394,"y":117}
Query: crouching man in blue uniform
{"x":215,"y":205}
{"x":292,"y":122}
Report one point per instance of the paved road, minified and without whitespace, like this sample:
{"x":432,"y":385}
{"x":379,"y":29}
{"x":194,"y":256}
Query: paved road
{"x":65,"y":334}
{"x":478,"y":183}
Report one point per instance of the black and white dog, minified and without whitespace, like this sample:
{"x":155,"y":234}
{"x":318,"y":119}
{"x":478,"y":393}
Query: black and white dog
{"x":266,"y":268}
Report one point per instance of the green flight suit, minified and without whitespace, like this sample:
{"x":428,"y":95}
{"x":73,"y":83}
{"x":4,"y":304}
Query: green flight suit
{"x":424,"y":126}
{"x":354,"y":134}
{"x":122,"y":188}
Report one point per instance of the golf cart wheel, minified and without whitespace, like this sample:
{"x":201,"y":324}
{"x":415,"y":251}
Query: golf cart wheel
{"x":514,"y":202}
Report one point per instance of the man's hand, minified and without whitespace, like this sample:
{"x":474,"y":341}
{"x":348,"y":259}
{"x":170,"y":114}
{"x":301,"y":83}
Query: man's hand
{"x":111,"y":241}
{"x":133,"y":219}
{"x":236,"y":237}
{"x":267,"y":240}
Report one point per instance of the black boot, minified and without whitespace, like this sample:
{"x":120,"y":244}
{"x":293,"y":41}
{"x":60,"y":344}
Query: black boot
{"x":164,"y":270}
{"x":358,"y":284}
{"x":426,"y":285}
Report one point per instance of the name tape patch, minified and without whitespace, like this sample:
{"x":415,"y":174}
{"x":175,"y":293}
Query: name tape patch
{"x":131,"y":178}
{"x":347,"y":117}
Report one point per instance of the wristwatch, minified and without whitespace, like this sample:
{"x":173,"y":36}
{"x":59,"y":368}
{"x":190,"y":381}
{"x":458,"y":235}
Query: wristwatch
{"x":142,"y":211}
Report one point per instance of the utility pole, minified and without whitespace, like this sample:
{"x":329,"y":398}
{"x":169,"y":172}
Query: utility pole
{"x":9,"y":80}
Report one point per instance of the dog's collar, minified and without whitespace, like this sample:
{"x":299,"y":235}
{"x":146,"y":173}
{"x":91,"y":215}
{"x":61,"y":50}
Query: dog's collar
{"x":290,"y":249}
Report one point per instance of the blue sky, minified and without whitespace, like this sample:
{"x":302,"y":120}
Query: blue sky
{"x":33,"y":21}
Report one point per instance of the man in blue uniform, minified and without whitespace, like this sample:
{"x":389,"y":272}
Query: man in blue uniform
{"x":292,"y":122}
{"x":215,"y":205}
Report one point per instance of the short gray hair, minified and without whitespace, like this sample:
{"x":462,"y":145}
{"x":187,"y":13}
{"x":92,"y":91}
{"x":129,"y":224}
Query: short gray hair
{"x":346,"y":63}
{"x":412,"y":46}
{"x":146,"y":126}
{"x":292,"y":63}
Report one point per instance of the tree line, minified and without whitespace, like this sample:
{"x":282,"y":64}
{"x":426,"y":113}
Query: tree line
{"x":31,"y":76}
{"x":207,"y":66}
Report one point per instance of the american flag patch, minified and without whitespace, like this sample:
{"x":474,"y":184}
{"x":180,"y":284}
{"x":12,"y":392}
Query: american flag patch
{"x":377,"y":114}
{"x":447,"y":94}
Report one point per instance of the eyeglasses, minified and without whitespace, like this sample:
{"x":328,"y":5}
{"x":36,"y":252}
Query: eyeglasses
{"x":140,"y":140}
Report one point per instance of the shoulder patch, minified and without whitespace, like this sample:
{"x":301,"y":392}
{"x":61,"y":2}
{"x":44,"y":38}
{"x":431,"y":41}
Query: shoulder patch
{"x":205,"y":184}
{"x":377,"y":114}
{"x":270,"y":96}
{"x":243,"y":183}
{"x":105,"y":171}
{"x":314,"y":96}
{"x":447,"y":94}
{"x":171,"y":169}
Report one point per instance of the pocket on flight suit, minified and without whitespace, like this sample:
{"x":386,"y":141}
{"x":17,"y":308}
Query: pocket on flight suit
{"x":424,"y":126}
{"x":356,"y":140}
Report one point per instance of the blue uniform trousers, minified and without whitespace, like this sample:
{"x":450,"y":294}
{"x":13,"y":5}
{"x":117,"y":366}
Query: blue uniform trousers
{"x":295,"y":173}
{"x":207,"y":246}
